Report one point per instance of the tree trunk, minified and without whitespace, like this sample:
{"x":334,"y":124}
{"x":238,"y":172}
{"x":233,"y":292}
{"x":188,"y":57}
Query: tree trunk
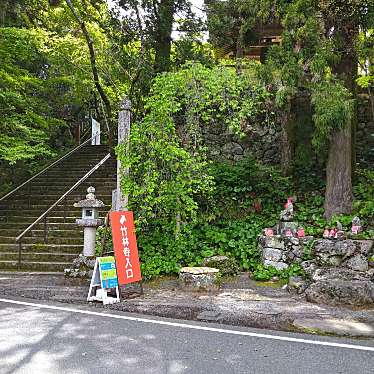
{"x":239,"y":56}
{"x":371,"y":99}
{"x":338,"y":198}
{"x":286,"y":145}
{"x":339,"y":193}
{"x":164,"y":28}
{"x":3,"y":10}
{"x":239,"y":47}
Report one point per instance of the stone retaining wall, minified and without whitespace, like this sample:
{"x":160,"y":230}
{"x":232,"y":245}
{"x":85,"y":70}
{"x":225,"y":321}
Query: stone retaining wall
{"x":280,"y":251}
{"x":338,"y":271}
{"x":263,"y":141}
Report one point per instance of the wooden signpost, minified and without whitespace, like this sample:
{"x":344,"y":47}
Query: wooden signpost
{"x":125,"y":247}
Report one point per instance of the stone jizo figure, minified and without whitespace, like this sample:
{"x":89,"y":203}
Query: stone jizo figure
{"x":287,"y":214}
{"x":356,"y":225}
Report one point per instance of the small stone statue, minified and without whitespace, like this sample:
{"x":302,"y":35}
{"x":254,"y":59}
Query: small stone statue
{"x":339,"y":234}
{"x":288,"y":203}
{"x":288,"y":233}
{"x":356,"y":225}
{"x":287,"y":214}
{"x":356,"y":221}
{"x":326,"y":232}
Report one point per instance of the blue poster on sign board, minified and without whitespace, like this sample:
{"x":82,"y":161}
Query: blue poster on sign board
{"x":108,"y":272}
{"x":104,"y":277}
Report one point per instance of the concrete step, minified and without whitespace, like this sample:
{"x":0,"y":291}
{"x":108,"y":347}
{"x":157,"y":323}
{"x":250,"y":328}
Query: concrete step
{"x":51,"y":226}
{"x":30,"y":219}
{"x":37,"y":212}
{"x":65,"y":237}
{"x":71,"y":175}
{"x":55,"y":248}
{"x":51,"y":199}
{"x":76,"y":164}
{"x":56,"y":191}
{"x":42,"y":207}
{"x":38,"y":235}
{"x":35,"y":266}
{"x":38,"y":256}
{"x":70,"y":212}
{"x":57,"y":233}
{"x":59,"y":189}
{"x":76,"y":240}
{"x":61,"y":185}
{"x":71,"y":179}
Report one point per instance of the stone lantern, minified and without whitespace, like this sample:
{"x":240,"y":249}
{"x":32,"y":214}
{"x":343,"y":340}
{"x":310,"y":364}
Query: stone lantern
{"x":90,"y":220}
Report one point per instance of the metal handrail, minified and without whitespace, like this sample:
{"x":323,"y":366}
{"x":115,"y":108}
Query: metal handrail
{"x":19,"y":237}
{"x":49,"y":166}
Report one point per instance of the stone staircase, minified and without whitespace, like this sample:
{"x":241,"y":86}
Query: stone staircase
{"x":64,"y":240}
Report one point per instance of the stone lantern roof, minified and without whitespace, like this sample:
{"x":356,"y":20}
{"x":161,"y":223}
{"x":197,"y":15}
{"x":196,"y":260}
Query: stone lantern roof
{"x":90,"y":201}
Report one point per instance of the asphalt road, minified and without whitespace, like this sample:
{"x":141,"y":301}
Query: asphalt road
{"x":71,"y":339}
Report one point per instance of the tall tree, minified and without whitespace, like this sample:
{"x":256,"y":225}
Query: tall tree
{"x":155,"y":22}
{"x":164,"y":18}
{"x":342,"y":22}
{"x":318,"y":54}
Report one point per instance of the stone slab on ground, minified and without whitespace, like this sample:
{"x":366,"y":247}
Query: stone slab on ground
{"x":198,"y":278}
{"x":339,"y":327}
{"x":240,"y":302}
{"x":335,"y":292}
{"x":209,"y":316}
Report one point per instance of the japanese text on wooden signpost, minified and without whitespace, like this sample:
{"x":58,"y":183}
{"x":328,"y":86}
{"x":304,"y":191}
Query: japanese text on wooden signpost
{"x":125,"y":247}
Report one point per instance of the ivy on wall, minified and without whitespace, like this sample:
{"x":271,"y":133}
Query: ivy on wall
{"x":167,"y":158}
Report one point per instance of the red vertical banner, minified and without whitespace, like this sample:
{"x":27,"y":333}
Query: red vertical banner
{"x":125,"y":247}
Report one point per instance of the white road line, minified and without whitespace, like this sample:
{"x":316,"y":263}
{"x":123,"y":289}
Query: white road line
{"x":192,"y":327}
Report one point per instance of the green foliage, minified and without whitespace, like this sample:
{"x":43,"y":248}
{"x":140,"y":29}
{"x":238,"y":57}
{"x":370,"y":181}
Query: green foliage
{"x":247,"y":187}
{"x":161,"y":253}
{"x":227,"y":267}
{"x":234,"y":223}
{"x":46,"y":84}
{"x":333,"y":108}
{"x":308,"y":248}
{"x":104,"y":241}
{"x":27,"y":118}
{"x":192,"y":49}
{"x":310,"y":200}
{"x":240,"y":206}
{"x":262,"y":273}
{"x":167,"y":160}
{"x":364,"y":192}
